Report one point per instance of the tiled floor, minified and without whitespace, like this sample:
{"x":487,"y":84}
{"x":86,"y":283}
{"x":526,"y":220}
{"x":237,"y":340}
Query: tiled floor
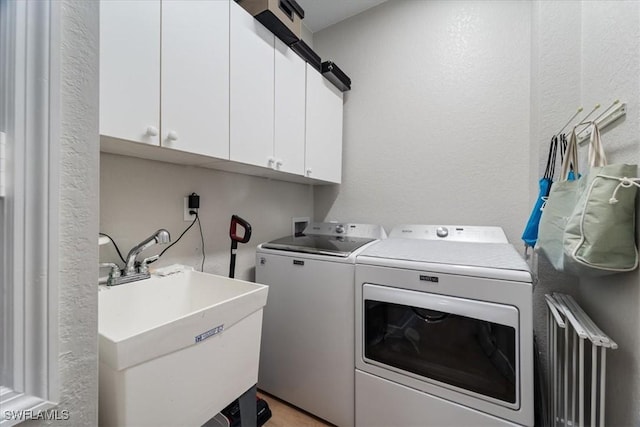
{"x":285,"y":415}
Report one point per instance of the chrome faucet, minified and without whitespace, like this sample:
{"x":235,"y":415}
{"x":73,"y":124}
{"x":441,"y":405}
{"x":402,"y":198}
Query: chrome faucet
{"x":161,"y":237}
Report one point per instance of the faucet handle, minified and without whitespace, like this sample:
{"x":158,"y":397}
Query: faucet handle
{"x":144,"y":266}
{"x":114,"y":271}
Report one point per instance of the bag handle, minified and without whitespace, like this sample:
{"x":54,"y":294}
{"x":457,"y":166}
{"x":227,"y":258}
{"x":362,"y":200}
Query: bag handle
{"x":558,"y":143}
{"x":551,"y":159}
{"x":563,"y":147}
{"x":597,"y":157}
{"x":570,"y":161}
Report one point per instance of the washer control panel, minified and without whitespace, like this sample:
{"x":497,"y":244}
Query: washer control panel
{"x":371,"y":231}
{"x":453,"y":233}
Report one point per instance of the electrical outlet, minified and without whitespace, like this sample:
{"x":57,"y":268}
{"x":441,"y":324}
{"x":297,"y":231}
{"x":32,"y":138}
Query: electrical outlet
{"x":298,"y":225}
{"x":187,"y":216}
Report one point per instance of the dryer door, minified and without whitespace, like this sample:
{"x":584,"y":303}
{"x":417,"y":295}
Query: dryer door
{"x":467,"y":345}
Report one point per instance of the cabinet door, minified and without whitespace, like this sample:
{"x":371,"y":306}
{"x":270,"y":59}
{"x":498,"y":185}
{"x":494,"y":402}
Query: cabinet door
{"x":252,"y":89}
{"x":130,"y":70}
{"x":195,"y":76}
{"x":323,"y":154}
{"x":290,"y":87}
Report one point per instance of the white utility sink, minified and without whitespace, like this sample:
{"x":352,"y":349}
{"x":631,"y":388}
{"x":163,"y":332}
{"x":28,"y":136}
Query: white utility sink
{"x":175,"y":350}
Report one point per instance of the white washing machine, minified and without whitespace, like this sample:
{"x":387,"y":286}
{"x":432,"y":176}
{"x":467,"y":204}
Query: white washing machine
{"x":307,"y":353}
{"x":444,"y":333}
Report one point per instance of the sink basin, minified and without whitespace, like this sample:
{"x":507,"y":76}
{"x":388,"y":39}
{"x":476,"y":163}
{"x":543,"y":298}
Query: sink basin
{"x":175,"y":350}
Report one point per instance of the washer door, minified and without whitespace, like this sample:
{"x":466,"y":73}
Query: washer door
{"x":467,"y":345}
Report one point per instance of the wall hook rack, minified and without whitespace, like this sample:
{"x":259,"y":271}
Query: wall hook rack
{"x":603,"y":121}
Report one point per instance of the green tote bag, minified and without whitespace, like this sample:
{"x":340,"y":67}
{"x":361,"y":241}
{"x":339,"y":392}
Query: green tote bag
{"x":599,"y":237}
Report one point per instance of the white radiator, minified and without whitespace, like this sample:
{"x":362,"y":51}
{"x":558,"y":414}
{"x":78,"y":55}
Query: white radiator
{"x":575,"y":346}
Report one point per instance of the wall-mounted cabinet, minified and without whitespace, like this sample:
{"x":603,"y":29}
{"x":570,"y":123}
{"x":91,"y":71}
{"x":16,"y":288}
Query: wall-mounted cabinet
{"x":212,"y":87}
{"x":130,"y":70}
{"x":164,"y":74}
{"x":290,"y":110}
{"x":323,"y":156}
{"x":195,"y":77}
{"x":252,"y":83}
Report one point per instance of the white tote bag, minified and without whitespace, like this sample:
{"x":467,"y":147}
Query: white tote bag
{"x":559,"y":207}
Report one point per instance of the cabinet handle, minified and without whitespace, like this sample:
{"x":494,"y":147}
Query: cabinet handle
{"x":279,"y":163}
{"x":270,"y":161}
{"x":152,"y":131}
{"x":309,"y":171}
{"x":172,"y":135}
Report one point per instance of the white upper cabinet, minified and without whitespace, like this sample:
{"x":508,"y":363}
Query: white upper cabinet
{"x":195,"y":77}
{"x":252,"y":89}
{"x":130,"y":70}
{"x":290,"y":89}
{"x":211,"y":83}
{"x":323,"y":156}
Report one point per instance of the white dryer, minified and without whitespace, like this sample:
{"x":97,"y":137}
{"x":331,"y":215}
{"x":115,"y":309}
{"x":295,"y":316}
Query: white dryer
{"x":444,"y":333}
{"x":307,"y":353}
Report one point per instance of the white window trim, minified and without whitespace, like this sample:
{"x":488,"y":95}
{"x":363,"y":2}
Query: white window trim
{"x":31,"y":88}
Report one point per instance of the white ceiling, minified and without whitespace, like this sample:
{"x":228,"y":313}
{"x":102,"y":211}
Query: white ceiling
{"x":320,"y":14}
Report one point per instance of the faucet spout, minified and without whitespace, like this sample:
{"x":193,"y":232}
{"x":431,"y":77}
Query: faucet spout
{"x":161,"y":236}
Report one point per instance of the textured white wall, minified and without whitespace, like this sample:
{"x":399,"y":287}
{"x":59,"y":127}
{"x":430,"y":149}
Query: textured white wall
{"x":436,"y":127}
{"x":140,"y":196}
{"x":611,"y":70}
{"x":307,"y":35}
{"x":79,"y":185}
{"x":555,"y":94}
{"x":589,"y":53}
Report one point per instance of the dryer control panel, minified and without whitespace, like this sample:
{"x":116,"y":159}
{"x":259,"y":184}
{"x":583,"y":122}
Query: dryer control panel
{"x":453,"y":233}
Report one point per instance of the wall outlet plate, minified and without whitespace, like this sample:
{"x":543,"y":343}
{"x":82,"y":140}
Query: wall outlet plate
{"x":187,"y":216}
{"x":298,"y":225}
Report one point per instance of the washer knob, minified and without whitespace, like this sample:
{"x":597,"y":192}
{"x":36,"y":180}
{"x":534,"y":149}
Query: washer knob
{"x":442,"y":232}
{"x":339,"y":228}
